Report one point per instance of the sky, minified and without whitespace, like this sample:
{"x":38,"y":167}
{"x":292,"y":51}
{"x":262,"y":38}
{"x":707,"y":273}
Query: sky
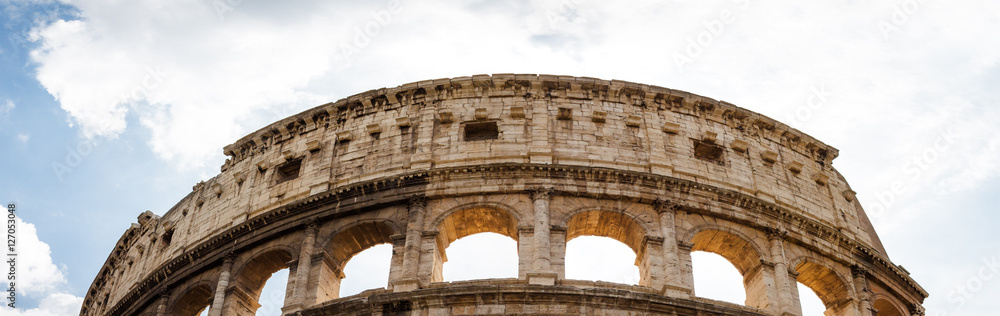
{"x":110,"y":108}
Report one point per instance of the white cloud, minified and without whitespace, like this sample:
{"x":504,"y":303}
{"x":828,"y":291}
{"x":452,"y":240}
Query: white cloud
{"x":199,"y":82}
{"x":8,"y":105}
{"x":56,"y":304}
{"x":38,"y":277}
{"x":23,"y":137}
{"x":38,"y":274}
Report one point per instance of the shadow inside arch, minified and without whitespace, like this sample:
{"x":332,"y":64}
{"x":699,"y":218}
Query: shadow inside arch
{"x":826,"y":283}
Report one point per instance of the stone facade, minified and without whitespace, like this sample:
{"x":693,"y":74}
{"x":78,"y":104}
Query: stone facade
{"x":541,"y":159}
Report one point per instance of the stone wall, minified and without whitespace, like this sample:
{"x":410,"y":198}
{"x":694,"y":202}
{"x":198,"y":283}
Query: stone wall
{"x":541,"y":159}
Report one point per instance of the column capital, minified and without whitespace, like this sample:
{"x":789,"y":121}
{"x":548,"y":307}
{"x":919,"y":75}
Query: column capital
{"x":662,"y":205}
{"x":775,"y":233}
{"x":228,"y":258}
{"x":858,"y":271}
{"x":311,"y":225}
{"x":417,"y":201}
{"x":543,"y":193}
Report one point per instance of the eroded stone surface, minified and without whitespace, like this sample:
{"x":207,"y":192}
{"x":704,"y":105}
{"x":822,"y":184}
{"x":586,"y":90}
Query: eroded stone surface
{"x":541,"y":159}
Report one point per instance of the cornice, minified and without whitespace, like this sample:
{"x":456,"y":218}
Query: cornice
{"x":419,"y":94}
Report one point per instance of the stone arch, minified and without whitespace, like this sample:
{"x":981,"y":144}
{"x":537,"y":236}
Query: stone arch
{"x":192,"y":299}
{"x":464,"y":220}
{"x":747,"y":256}
{"x":614,"y":224}
{"x":886,"y":306}
{"x":259,"y":253}
{"x":249,"y":278}
{"x":831,"y":287}
{"x":738,"y":248}
{"x":474,"y":218}
{"x":620,"y":226}
{"x":327,"y":266}
{"x":357,"y":237}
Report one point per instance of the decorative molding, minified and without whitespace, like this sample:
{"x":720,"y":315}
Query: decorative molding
{"x":541,"y":193}
{"x":775,"y":233}
{"x":417,"y":201}
{"x":662,"y":205}
{"x":860,"y":272}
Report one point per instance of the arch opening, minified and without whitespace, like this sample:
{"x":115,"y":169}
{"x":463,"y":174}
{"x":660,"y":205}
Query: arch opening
{"x":272,"y":295}
{"x":616,"y":226}
{"x":481,"y":256}
{"x":194,"y":301}
{"x":826,"y":284}
{"x":345,"y":246}
{"x":809,"y":301}
{"x":468,"y":234}
{"x":717,"y":278}
{"x":249,"y":282}
{"x":739,"y":251}
{"x":597,"y":258}
{"x":369,"y":269}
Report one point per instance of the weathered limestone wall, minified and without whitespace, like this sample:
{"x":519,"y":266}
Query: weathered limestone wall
{"x":567,"y":151}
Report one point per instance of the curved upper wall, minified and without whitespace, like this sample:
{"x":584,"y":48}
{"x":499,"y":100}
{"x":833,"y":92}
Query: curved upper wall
{"x":385,"y":136}
{"x":597,"y":123}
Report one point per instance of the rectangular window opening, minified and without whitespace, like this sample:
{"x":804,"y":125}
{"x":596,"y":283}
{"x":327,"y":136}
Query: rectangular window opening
{"x":708,"y":151}
{"x":288,"y":171}
{"x":481,"y":131}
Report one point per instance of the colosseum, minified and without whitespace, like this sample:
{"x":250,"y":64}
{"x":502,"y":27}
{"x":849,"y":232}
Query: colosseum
{"x":541,"y":159}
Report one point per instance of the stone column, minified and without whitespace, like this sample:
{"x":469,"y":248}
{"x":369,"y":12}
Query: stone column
{"x":684,"y":263}
{"x":414,"y":226}
{"x":298,"y":298}
{"x":412,"y":246}
{"x":220,"y":289}
{"x":541,"y":265}
{"x":674,"y":272}
{"x":860,"y":278}
{"x":788,"y":294}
